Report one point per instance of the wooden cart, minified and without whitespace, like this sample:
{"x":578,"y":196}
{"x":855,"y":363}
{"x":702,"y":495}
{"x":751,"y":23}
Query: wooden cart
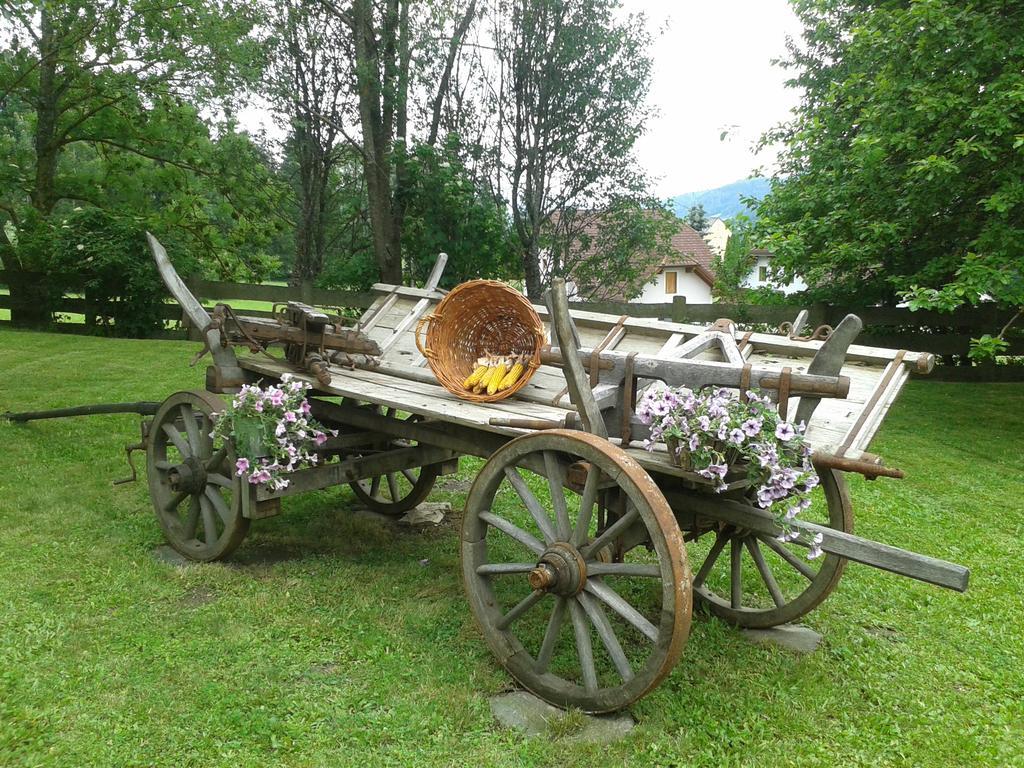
{"x":582,"y":552}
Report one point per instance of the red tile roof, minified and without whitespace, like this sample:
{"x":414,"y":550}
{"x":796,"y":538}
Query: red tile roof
{"x":689,"y":251}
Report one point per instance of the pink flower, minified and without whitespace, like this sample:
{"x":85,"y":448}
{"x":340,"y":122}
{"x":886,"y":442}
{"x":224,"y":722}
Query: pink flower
{"x":305,"y":407}
{"x":275,"y":396}
{"x":242,"y":465}
{"x":290,"y":417}
{"x":319,"y":438}
{"x":258,"y":407}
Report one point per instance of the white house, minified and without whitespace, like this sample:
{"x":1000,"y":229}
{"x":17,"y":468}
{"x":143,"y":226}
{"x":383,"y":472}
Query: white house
{"x":687,"y":272}
{"x":760,"y":275}
{"x":717,"y":235}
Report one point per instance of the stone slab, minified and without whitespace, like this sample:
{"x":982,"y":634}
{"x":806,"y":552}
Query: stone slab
{"x":169,"y":556}
{"x":792,"y":637}
{"x":427,"y":513}
{"x":524,"y":712}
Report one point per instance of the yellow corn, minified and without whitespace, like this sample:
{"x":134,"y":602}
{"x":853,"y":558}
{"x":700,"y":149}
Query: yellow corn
{"x":512,"y":376}
{"x":497,"y":377}
{"x":486,"y":379}
{"x":475,"y":377}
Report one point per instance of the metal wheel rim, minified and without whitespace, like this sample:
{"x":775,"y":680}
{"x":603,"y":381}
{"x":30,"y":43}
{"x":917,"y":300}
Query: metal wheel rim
{"x":672,"y":570}
{"x":212,"y":526}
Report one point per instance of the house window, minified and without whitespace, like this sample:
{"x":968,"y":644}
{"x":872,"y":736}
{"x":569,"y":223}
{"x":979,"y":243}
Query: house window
{"x":670,"y":282}
{"x":762,"y":274}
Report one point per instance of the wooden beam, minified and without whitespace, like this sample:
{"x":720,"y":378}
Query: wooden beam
{"x":575,"y":377}
{"x":351,"y":470}
{"x":883,"y":556}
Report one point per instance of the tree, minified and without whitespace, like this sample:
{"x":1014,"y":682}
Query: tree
{"x":572,"y":77}
{"x":97,"y":104}
{"x":904,"y":164}
{"x":609,"y":254}
{"x":697,"y":219}
{"x":309,"y":83}
{"x":732,"y":267}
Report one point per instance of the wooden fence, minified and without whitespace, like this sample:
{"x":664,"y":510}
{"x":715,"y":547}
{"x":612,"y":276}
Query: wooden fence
{"x":945,"y":334}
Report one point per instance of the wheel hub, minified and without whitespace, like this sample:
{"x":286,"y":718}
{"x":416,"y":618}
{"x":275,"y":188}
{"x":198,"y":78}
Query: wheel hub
{"x":561,"y":570}
{"x":187,"y":477}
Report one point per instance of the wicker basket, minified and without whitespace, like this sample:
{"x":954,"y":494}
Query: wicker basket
{"x":478,"y":318}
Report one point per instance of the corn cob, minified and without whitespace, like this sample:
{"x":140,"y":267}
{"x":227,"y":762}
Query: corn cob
{"x":481,"y":386}
{"x":478,"y":373}
{"x":512,"y":376}
{"x":498,"y":376}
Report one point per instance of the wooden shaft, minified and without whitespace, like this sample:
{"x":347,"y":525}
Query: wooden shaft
{"x":869,"y":469}
{"x":145,"y":408}
{"x":701,"y":373}
{"x":883,"y":556}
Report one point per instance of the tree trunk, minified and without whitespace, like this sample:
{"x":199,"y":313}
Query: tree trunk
{"x":44,"y":195}
{"x":531,"y":269}
{"x":385,"y":226}
{"x":314,"y":172}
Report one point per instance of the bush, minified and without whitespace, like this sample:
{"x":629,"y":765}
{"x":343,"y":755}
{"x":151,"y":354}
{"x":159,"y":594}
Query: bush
{"x":106,"y":255}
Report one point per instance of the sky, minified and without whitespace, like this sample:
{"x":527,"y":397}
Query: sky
{"x":712,"y":72}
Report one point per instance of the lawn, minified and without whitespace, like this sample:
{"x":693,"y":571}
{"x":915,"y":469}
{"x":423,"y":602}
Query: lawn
{"x":334,"y":639}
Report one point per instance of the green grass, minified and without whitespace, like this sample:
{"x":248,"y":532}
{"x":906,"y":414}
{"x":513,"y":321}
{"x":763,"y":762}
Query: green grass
{"x":325,"y":641}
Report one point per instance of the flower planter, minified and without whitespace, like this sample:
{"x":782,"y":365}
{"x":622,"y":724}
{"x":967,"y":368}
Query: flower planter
{"x":250,"y":436}
{"x":680,"y":453}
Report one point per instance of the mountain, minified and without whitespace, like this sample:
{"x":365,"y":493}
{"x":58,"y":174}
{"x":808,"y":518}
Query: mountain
{"x":722,"y":201}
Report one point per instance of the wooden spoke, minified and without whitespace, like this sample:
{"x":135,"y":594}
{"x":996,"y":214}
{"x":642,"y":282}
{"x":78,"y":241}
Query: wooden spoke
{"x":607,"y":634}
{"x":514,"y":531}
{"x":393,"y":486}
{"x":498,"y":569}
{"x":587,"y":500}
{"x":218,"y":479}
{"x":533,"y":506}
{"x":181,"y":427}
{"x":210,"y":534}
{"x":611,"y":533}
{"x":721,"y":539}
{"x":179,"y":441}
{"x":766,"y":574}
{"x":790,"y":596}
{"x":520,"y":608}
{"x":218,"y":504}
{"x":217,"y":460}
{"x":399,"y":498}
{"x":794,"y":560}
{"x":195,"y":440}
{"x":623,"y":569}
{"x":175,"y":500}
{"x":192,"y":521}
{"x":613,"y":600}
{"x":557,"y":486}
{"x":537,"y":650}
{"x":584,"y":648}
{"x":547,"y":646}
{"x":736,"y":571}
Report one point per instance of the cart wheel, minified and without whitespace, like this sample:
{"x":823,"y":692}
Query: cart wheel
{"x":753,"y":580}
{"x":534,"y":561}
{"x":196,"y":494}
{"x":396,"y":492}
